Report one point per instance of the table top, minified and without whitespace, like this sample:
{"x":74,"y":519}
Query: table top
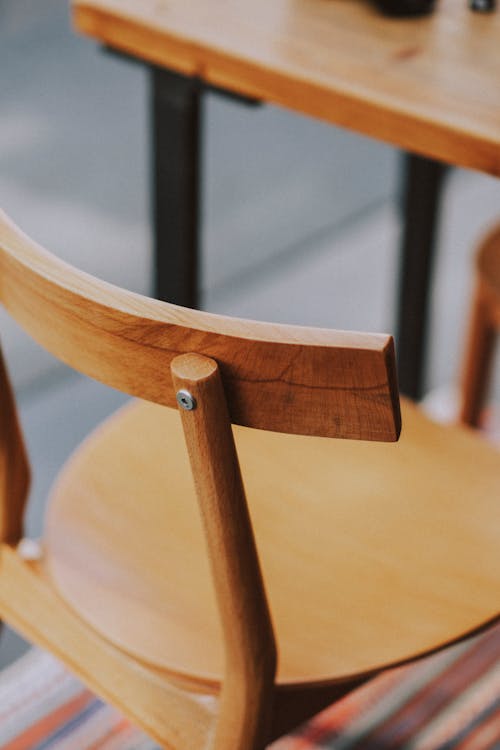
{"x":429,"y":85}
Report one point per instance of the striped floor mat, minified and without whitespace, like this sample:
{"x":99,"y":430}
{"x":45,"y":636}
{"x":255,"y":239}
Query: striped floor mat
{"x":451,"y":700}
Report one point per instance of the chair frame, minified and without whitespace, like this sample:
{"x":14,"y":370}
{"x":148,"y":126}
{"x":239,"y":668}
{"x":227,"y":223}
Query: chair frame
{"x":306,"y":381}
{"x":483,"y":329}
{"x":217,"y":372}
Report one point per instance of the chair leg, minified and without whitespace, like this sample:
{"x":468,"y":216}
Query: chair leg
{"x":171,"y":714}
{"x":249,"y":643}
{"x":478,"y":357}
{"x":14,"y":465}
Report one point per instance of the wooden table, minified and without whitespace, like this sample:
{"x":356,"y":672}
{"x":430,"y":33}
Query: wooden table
{"x":430,"y":86}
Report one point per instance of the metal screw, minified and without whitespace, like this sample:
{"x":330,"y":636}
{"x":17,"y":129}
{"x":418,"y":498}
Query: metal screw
{"x":185,"y":400}
{"x":483,"y":6}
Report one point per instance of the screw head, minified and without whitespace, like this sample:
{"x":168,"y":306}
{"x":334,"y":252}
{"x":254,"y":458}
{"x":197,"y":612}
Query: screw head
{"x":186,"y":400}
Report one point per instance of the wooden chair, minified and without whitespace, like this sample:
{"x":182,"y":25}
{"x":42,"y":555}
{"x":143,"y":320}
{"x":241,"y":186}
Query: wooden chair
{"x":210,"y":622}
{"x":484,"y":325}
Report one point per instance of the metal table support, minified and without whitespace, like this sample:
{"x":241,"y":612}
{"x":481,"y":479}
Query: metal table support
{"x":176,"y":126}
{"x":176,"y":166}
{"x":176,"y":116}
{"x":421,"y":197}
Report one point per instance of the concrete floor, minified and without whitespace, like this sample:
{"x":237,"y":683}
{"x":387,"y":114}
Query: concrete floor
{"x":300,"y":223}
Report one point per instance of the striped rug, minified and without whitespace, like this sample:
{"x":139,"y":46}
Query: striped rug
{"x":451,"y":700}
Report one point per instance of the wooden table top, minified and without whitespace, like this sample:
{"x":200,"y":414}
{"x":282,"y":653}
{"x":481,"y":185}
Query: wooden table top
{"x":430,"y":85}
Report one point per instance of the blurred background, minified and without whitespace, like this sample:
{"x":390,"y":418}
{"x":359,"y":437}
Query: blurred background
{"x":300,"y":219}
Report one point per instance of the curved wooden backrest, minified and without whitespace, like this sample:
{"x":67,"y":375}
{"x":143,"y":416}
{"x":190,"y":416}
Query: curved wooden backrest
{"x":283,"y":378}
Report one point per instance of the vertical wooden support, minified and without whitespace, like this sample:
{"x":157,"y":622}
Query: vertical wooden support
{"x":250,"y":651}
{"x":478,"y":356}
{"x":14,"y":466}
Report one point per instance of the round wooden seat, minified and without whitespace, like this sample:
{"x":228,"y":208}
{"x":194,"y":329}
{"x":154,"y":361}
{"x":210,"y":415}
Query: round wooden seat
{"x":371,"y":553}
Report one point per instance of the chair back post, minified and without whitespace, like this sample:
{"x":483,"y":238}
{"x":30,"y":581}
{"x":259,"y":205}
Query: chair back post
{"x":250,"y":650}
{"x":14,"y":465}
{"x":478,"y":357}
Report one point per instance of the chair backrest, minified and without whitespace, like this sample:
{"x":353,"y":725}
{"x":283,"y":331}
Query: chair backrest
{"x":284,"y":378}
{"x":261,"y":375}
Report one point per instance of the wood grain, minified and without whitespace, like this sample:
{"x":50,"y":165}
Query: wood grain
{"x":245,"y":708}
{"x":371,"y":553}
{"x":488,"y":261}
{"x":175,"y":718}
{"x":478,"y":356}
{"x":276,"y":377}
{"x":28,"y":602}
{"x":14,"y":466}
{"x":484,"y":325}
{"x":428,"y":85}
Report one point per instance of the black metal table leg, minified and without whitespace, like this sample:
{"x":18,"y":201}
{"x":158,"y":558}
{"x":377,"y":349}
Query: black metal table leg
{"x":422,"y":189}
{"x":176,"y":159}
{"x":176,"y":156}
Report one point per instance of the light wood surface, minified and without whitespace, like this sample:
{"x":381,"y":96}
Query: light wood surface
{"x":371,"y":553}
{"x":276,"y":377}
{"x":483,"y":330}
{"x":176,"y":718}
{"x":429,"y":85}
{"x":478,"y":357}
{"x":28,"y":602}
{"x":249,"y":644}
{"x":488,"y":261}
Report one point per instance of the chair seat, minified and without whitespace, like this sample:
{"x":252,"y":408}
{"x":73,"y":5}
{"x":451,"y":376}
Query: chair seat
{"x":437,"y":703}
{"x":343,"y":528}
